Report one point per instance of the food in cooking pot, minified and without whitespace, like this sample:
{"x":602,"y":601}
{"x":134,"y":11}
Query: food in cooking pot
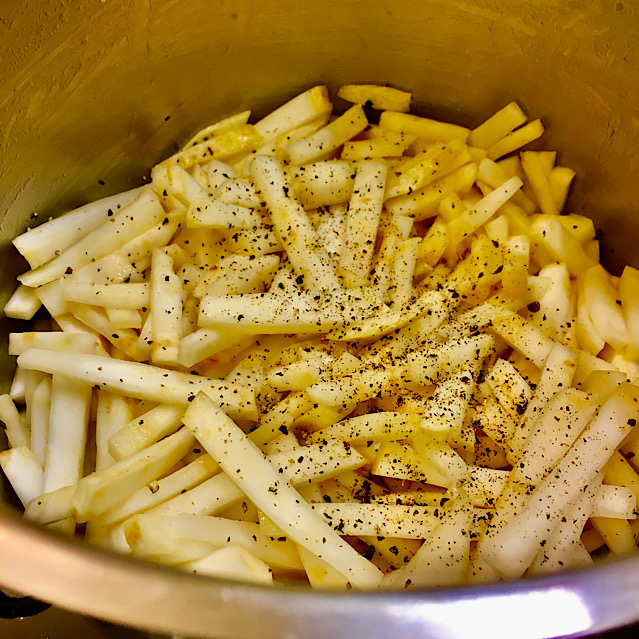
{"x":359,"y":350}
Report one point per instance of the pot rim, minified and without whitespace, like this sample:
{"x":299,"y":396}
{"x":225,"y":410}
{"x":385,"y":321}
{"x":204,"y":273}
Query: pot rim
{"x":89,"y":580}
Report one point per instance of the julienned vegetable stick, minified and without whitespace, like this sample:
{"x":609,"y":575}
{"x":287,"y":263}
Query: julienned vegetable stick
{"x":23,"y":303}
{"x":156,"y":537}
{"x":40,"y":244}
{"x":54,"y":341}
{"x":124,"y":226}
{"x":128,"y":296}
{"x":68,"y":430}
{"x":320,"y":144}
{"x":309,"y":463}
{"x":141,"y":381}
{"x":378,"y":426}
{"x":559,"y":548}
{"x":262,"y":484}
{"x":166,"y":309}
{"x":292,"y":225}
{"x":558,"y":371}
{"x":362,"y":220}
{"x":386,"y":321}
{"x":23,"y":471}
{"x":147,"y":429}
{"x":383,"y":520}
{"x":287,"y":312}
{"x":98,"y":492}
{"x":205,"y":342}
{"x":17,"y":433}
{"x":113,"y":413}
{"x":162,"y":490}
{"x":513,"y":548}
{"x":40,"y":406}
{"x":232,"y":562}
{"x":302,"y":109}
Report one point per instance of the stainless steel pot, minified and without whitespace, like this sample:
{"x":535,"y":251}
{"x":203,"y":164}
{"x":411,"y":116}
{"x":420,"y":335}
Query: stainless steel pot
{"x":94,"y":92}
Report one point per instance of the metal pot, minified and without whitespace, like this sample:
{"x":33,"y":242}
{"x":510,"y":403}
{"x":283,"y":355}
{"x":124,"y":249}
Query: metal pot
{"x":94,"y":92}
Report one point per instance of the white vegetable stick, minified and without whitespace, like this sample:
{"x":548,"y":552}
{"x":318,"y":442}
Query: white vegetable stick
{"x":210,"y":497}
{"x":443,"y":558}
{"x":322,"y":183}
{"x":237,"y":191}
{"x":401,"y":461}
{"x":287,"y":312}
{"x":68,"y":429}
{"x":127,"y":296}
{"x":232,"y":562}
{"x":470,"y":220}
{"x":428,"y":365}
{"x":23,"y":471}
{"x":112,"y":414}
{"x":206,"y":342}
{"x":17,"y":433}
{"x":617,"y":502}
{"x":218,"y":493}
{"x":319,"y":573}
{"x":157,"y":492}
{"x":384,"y":426}
{"x":558,"y":425}
{"x":317,"y":461}
{"x":23,"y":303}
{"x":302,"y":109}
{"x":121,"y":318}
{"x":484,"y":485}
{"x":320,"y":144}
{"x":52,"y":297}
{"x":139,"y":216}
{"x":40,"y":413}
{"x":155,"y":536}
{"x":145,"y":430}
{"x":54,"y":341}
{"x":514,"y":547}
{"x":509,"y":387}
{"x":491,"y":417}
{"x":102,"y":490}
{"x":403,"y":271}
{"x":362,"y":219}
{"x":19,"y":383}
{"x":437,"y":303}
{"x":166,"y":310}
{"x":292,"y":225}
{"x":215,"y":214}
{"x":44,"y":242}
{"x":239,"y":274}
{"x":225,"y":146}
{"x":141,"y":381}
{"x":558,"y":372}
{"x":111,"y":269}
{"x":515,"y":140}
{"x":500,"y":124}
{"x":222,"y":126}
{"x":50,"y":507}
{"x":446,"y":410}
{"x":356,"y":387}
{"x":437,"y":161}
{"x":124,"y":339}
{"x":523,"y":336}
{"x":559,"y":550}
{"x":262,"y":483}
{"x":383,"y":520}
{"x":138,"y":251}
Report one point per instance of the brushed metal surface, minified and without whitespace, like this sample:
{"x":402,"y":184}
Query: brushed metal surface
{"x":94,"y":92}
